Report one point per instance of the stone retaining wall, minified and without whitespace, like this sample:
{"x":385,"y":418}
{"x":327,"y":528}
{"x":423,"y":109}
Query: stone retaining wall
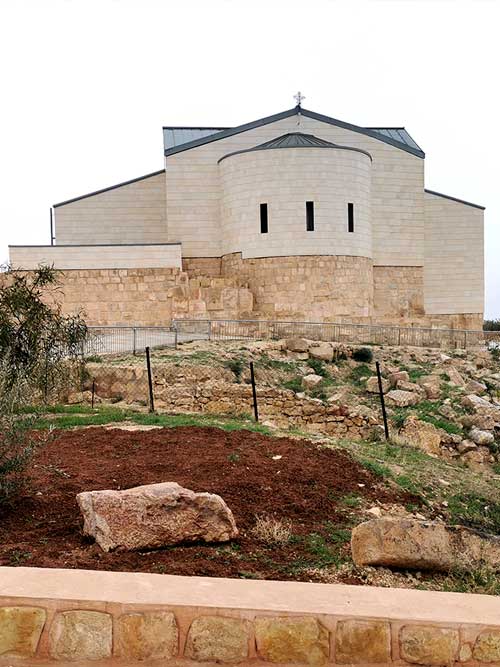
{"x":50,"y":617}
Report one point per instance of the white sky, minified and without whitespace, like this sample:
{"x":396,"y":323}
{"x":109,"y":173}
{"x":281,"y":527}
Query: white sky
{"x":86,"y":86}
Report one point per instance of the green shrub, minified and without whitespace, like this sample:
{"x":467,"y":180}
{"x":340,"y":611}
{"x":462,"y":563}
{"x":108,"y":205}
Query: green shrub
{"x":491,"y":325}
{"x":363,"y":354}
{"x":295,"y":384}
{"x":318,"y":367}
{"x":236,"y":366}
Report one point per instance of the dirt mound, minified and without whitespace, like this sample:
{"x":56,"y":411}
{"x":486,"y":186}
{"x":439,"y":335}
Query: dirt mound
{"x":255,"y":474}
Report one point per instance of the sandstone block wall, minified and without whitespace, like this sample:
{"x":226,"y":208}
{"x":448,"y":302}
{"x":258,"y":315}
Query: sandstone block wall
{"x":285,"y":179}
{"x":398,"y":294}
{"x":130,"y":213}
{"x":155,"y":255}
{"x":151,"y":297}
{"x":306,"y":288}
{"x":102,"y":618}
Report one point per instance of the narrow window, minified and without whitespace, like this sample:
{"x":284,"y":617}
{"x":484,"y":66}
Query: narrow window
{"x":350,"y":217}
{"x":263,"y":218}
{"x":310,"y":216}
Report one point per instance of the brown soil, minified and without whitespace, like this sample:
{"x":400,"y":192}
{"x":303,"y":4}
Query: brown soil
{"x":306,"y":486}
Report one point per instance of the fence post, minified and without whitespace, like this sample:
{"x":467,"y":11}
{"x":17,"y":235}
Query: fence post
{"x":134,"y":342}
{"x":254,"y":393}
{"x":175,"y":335}
{"x":150,"y":382}
{"x":209,"y":329}
{"x":93,"y":394}
{"x":382,"y":401}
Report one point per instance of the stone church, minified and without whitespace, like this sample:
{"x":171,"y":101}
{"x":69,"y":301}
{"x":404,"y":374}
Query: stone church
{"x":296,"y":216}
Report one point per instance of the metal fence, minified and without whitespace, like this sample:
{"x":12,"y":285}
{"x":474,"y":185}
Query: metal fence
{"x":124,"y":340}
{"x":333,"y":332}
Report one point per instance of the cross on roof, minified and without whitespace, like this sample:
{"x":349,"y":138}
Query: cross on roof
{"x":298,"y":98}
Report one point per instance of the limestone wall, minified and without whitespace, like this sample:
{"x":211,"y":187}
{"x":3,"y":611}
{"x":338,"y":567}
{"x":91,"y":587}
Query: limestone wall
{"x":454,"y":257}
{"x":306,"y":288}
{"x":285,"y":179}
{"x":131,"y":213}
{"x":50,"y":617}
{"x":397,"y":191}
{"x":398,"y":294}
{"x":158,"y":255}
{"x":151,"y":297}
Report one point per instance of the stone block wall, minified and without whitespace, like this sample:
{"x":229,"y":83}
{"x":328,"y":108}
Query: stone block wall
{"x":398,"y":294}
{"x":151,"y":297}
{"x":50,"y":617}
{"x":306,"y":288}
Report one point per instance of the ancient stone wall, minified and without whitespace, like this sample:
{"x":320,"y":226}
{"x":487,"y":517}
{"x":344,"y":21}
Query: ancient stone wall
{"x":116,"y":618}
{"x":306,"y":288}
{"x":398,"y":294}
{"x":151,"y":297}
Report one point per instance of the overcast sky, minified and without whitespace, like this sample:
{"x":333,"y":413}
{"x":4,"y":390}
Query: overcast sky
{"x":86,"y":86}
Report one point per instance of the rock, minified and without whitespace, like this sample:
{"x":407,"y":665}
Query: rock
{"x":217,"y":639}
{"x":455,"y":377}
{"x":431,"y":384}
{"x":487,"y":646}
{"x":445,"y":359}
{"x":363,"y":642}
{"x":474,"y":387}
{"x":422,"y":435}
{"x":146,"y":636}
{"x":322,"y":351}
{"x":20,"y":630}
{"x":372,"y":385}
{"x":428,"y":645}
{"x":299,"y":639}
{"x":410,"y":386}
{"x":402,"y":399}
{"x":154,"y":516}
{"x":406,"y":543}
{"x":297,"y":344}
{"x":447,"y":411}
{"x":481,"y":437}
{"x":475,"y":402}
{"x":466,"y":446}
{"x":312,"y":380}
{"x":475,"y":460}
{"x":375,"y":511}
{"x":81,"y":635}
{"x":399,"y":376}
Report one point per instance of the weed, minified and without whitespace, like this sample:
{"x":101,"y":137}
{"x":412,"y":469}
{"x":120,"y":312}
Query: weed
{"x":476,"y":511}
{"x":271,"y":531}
{"x":359,"y":372}
{"x":18,"y":557}
{"x":295,"y":384}
{"x":318,"y":367}
{"x":94,"y":359}
{"x":236,"y":366}
{"x":351,"y":500}
{"x":376,"y":468}
{"x":234,"y":457}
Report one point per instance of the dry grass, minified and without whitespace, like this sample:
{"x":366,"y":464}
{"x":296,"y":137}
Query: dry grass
{"x":272,"y":531}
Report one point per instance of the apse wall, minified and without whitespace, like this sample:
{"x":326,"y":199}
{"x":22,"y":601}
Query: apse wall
{"x":285,"y":179}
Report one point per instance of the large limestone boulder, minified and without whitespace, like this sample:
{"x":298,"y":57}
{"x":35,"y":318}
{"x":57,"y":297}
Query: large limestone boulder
{"x":398,"y":376}
{"x":481,"y":437}
{"x":312,"y":380}
{"x":407,"y":543}
{"x":297,"y":344}
{"x":153,"y":516}
{"x":422,"y":435}
{"x":431,"y":384}
{"x":402,"y":399}
{"x":372,"y":385}
{"x":322,"y":351}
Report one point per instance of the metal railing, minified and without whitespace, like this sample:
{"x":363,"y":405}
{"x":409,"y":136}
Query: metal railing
{"x":125,"y":340}
{"x":130,"y":339}
{"x":367,"y":334}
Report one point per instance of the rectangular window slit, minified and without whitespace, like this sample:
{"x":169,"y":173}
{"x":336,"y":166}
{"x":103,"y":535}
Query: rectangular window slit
{"x":310,"y":216}
{"x":263,"y":219}
{"x":350,"y":217}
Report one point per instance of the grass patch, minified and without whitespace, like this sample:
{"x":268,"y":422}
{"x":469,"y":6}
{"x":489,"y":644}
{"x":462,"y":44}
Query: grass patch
{"x":295,"y":384}
{"x":475,"y":511}
{"x":351,"y":500}
{"x":362,"y":371}
{"x":318,"y":367}
{"x":376,"y":468}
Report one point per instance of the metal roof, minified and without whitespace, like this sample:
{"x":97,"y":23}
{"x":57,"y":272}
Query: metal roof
{"x":398,"y":134}
{"x":177,"y":139}
{"x":296,"y":140}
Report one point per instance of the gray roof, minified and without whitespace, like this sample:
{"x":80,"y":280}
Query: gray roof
{"x":296,"y":140}
{"x":177,"y":139}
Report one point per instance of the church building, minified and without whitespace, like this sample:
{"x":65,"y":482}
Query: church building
{"x":296,"y":216}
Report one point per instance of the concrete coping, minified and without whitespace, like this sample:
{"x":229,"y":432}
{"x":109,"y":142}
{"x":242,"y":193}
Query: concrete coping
{"x":246,"y":595}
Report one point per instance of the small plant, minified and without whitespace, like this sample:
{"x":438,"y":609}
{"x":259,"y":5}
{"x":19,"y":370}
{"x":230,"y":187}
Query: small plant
{"x":363,"y":354}
{"x":376,"y":468}
{"x":94,"y":359}
{"x":271,"y":531}
{"x":234,"y":457}
{"x":295,"y":384}
{"x":351,"y":500}
{"x":236,"y":366}
{"x":318,"y":367}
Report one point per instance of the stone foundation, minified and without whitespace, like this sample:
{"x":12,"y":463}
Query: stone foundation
{"x":306,"y":288}
{"x":50,"y":617}
{"x":398,"y":294}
